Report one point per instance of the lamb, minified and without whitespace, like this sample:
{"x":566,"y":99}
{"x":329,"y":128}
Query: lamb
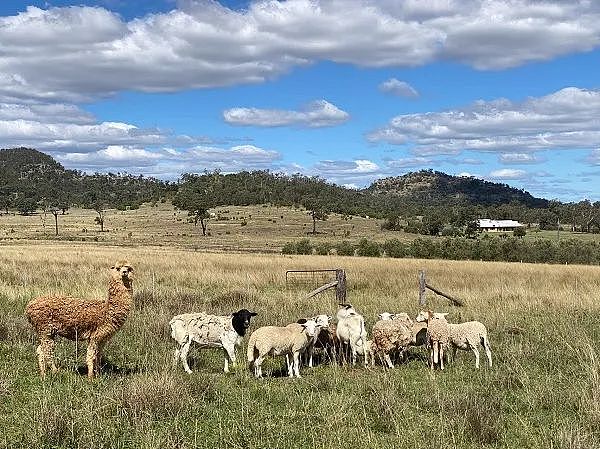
{"x":328,"y":341}
{"x":390,"y":335}
{"x":323,"y":322}
{"x":209,"y":331}
{"x":276,"y":341}
{"x":467,"y":336}
{"x":351,"y":330}
{"x":94,"y":320}
{"x":438,"y":336}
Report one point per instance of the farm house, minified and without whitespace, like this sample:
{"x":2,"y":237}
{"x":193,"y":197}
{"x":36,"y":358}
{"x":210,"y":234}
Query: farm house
{"x":498,"y":225}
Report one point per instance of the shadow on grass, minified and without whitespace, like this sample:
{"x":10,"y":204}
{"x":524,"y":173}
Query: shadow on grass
{"x":107,"y":367}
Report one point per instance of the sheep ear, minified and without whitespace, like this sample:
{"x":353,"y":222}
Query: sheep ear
{"x":329,"y":317}
{"x":253,"y":313}
{"x":301,"y":321}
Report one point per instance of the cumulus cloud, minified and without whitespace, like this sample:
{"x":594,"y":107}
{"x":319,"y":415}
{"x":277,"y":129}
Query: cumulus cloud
{"x":508,"y":173}
{"x":410,"y":162}
{"x":565,"y":119}
{"x":519,"y":158}
{"x":399,"y":88}
{"x":356,"y":172}
{"x":77,"y":53}
{"x":317,"y":114}
{"x":171,"y":163}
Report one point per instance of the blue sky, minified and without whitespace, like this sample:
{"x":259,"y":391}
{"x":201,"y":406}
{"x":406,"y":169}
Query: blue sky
{"x":350,"y":90}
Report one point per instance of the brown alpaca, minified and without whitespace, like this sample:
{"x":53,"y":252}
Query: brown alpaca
{"x":94,"y":320}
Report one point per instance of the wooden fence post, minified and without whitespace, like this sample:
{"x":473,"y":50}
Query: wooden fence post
{"x":422,"y":291}
{"x":340,"y":288}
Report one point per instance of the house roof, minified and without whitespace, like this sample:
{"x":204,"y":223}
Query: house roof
{"x":487,"y":223}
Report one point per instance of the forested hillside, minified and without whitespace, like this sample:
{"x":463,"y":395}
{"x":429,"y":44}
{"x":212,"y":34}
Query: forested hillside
{"x":426,"y":202}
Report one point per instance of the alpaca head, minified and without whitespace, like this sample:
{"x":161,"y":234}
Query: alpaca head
{"x":122,"y":271}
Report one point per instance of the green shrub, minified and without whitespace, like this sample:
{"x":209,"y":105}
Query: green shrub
{"x":394,"y":248}
{"x":345,"y":249}
{"x":322,"y":249}
{"x":367,"y":248}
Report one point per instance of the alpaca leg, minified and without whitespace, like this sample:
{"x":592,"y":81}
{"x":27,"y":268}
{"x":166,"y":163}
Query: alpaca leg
{"x":44,"y":353}
{"x":98,"y":361}
{"x":91,"y":357}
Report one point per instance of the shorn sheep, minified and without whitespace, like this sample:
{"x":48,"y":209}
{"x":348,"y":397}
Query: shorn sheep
{"x":94,"y":320}
{"x":438,"y":336}
{"x":351,"y":330}
{"x":277,"y":341}
{"x":467,"y":336}
{"x":209,"y":331}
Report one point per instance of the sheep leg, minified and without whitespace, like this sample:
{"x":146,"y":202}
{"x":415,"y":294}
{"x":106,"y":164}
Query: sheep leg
{"x":488,"y":351}
{"x":257,"y":367}
{"x":476,"y":352}
{"x":290,"y":365}
{"x":454,"y":348}
{"x":229,"y":352}
{"x":176,"y":357}
{"x":91,"y":357}
{"x":388,"y":360}
{"x":310,"y":356}
{"x":296,"y":364}
{"x":183,"y":353}
{"x":441,"y":355}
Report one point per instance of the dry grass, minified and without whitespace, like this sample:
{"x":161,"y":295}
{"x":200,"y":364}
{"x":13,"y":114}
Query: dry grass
{"x":542,"y":321}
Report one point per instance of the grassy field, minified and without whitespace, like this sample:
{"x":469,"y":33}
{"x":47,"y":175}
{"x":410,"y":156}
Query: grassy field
{"x":543,"y":391}
{"x":235,"y":228}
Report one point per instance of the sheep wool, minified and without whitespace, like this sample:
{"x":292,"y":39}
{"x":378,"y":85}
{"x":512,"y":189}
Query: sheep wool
{"x":438,"y":337}
{"x":470,"y":335}
{"x":94,"y":320}
{"x":388,"y":336}
{"x":277,"y":341}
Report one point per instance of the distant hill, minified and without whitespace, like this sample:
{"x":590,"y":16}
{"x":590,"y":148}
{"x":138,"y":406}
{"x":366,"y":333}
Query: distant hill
{"x":436,"y":188}
{"x":36,"y":179}
{"x":30,"y":179}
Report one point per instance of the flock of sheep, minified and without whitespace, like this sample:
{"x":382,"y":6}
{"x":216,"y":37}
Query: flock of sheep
{"x":97,"y":321}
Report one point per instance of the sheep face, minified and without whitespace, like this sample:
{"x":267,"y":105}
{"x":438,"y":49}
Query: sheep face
{"x":241,"y":320}
{"x":425,"y":316}
{"x":310,"y":327}
{"x":385,"y":316}
{"x":322,"y":320}
{"x":122,"y":271}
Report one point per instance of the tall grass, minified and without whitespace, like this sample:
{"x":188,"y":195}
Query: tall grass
{"x":543,"y":391}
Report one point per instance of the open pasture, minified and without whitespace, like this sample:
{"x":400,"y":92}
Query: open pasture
{"x":542,"y":320}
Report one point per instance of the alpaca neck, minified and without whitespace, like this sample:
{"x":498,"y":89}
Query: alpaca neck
{"x":120,"y":296}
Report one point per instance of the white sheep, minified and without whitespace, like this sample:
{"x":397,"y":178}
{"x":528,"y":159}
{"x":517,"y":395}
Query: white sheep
{"x":467,"y":336}
{"x":389,"y":336}
{"x":323,"y":322}
{"x":276,"y":341}
{"x":209,"y":331}
{"x":351,"y":330}
{"x":470,"y":335}
{"x":438,"y":336}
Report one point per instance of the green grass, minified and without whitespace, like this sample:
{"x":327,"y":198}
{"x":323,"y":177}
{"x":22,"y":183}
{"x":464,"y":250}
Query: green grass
{"x":543,"y":391}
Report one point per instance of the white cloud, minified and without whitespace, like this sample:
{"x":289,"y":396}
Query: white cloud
{"x":317,"y":114}
{"x":519,"y":158}
{"x":566,"y":119}
{"x":508,"y":173}
{"x":79,"y":53}
{"x":171,"y":163}
{"x":410,"y":162}
{"x":400,"y":88}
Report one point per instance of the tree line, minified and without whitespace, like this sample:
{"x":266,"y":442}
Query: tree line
{"x":31,"y":180}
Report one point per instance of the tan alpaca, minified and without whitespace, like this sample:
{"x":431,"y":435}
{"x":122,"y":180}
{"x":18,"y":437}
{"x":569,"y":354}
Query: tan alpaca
{"x":94,"y":320}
